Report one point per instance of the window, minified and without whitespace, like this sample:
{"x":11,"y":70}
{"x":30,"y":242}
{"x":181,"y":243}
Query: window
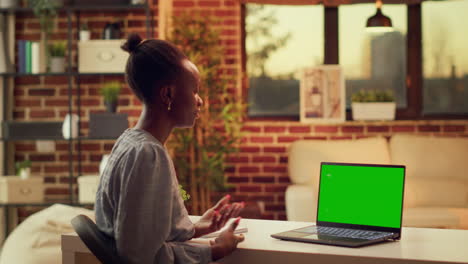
{"x":445,"y":57}
{"x":280,"y":41}
{"x":374,"y":61}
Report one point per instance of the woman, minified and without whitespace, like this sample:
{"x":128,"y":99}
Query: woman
{"x":138,"y":201}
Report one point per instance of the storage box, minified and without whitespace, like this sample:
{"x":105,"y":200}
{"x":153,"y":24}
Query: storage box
{"x":87,"y":188}
{"x":13,"y":189}
{"x":32,"y":130}
{"x":107,"y":125}
{"x":101,"y":56}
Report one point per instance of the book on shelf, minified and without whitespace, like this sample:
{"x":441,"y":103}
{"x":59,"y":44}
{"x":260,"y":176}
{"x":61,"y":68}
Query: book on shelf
{"x":31,"y":57}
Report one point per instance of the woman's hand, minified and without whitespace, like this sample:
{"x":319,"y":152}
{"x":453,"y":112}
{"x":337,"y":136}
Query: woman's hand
{"x":217,"y":216}
{"x":227,"y":242}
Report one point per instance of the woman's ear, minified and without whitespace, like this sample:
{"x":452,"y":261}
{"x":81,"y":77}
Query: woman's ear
{"x":166,"y":93}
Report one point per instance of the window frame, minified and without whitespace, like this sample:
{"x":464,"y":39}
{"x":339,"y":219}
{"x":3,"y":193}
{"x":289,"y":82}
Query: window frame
{"x":414,"y":62}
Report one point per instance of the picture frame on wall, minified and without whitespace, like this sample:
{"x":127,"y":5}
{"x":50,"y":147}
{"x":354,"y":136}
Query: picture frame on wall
{"x":322,"y":94}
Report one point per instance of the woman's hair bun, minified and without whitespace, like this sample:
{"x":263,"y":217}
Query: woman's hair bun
{"x":132,"y":42}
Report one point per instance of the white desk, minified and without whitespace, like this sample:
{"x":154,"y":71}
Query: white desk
{"x":417,"y":246}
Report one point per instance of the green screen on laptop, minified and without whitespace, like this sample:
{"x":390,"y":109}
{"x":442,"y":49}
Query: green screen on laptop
{"x":361,"y":195}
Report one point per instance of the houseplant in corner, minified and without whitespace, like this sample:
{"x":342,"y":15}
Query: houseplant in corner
{"x":57,"y":56}
{"x":373,"y":105}
{"x":23,"y":169}
{"x":110,"y":91}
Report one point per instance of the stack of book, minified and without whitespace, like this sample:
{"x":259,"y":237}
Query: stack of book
{"x":31,"y":57}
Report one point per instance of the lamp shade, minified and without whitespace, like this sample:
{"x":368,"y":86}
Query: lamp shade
{"x":379,"y":20}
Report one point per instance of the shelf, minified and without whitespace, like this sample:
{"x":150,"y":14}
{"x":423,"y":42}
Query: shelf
{"x":80,"y":8}
{"x":76,"y":74}
{"x":45,"y":204}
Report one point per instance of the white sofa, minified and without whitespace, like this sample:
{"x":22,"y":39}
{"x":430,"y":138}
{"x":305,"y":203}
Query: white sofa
{"x":436,"y":186}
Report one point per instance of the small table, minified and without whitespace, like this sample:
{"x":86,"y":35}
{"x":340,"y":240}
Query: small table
{"x":417,"y":246}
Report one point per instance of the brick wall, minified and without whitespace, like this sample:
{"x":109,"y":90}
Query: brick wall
{"x":259,"y":171}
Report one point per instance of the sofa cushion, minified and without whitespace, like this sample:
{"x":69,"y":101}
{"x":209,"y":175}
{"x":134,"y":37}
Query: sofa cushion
{"x":305,"y":156}
{"x":435,"y":217}
{"x":431,"y":157}
{"x":420,"y":192}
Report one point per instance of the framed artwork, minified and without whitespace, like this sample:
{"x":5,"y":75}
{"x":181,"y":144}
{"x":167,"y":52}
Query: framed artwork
{"x":322,"y":95}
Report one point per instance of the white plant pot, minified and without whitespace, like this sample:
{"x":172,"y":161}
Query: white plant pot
{"x":374,"y":111}
{"x":57,"y":64}
{"x":85,"y":35}
{"x":25,"y":173}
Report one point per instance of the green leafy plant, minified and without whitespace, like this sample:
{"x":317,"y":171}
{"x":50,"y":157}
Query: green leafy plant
{"x":367,"y":96}
{"x":21,"y":165}
{"x":200,"y":153}
{"x":183,"y":193}
{"x":58,"y":49}
{"x":46,"y":12}
{"x":110,"y":91}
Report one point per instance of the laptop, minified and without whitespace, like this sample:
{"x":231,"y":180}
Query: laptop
{"x":358,"y":205}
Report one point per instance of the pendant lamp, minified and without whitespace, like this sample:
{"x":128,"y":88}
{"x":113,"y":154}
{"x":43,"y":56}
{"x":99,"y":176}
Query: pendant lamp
{"x":379,"y":22}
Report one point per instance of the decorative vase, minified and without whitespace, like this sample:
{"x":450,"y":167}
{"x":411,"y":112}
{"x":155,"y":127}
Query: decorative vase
{"x":374,"y":111}
{"x":57,"y":64}
{"x":111,"y":107}
{"x":85,"y":35}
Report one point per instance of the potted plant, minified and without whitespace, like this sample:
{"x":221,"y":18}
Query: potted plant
{"x":23,"y":169}
{"x":110,"y":91}
{"x":373,"y":105}
{"x":57,"y":56}
{"x":84,"y":32}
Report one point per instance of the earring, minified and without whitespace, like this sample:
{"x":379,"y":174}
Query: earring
{"x":169,"y":106}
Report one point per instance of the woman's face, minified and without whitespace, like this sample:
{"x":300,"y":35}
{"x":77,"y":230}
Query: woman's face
{"x":186,"y":103}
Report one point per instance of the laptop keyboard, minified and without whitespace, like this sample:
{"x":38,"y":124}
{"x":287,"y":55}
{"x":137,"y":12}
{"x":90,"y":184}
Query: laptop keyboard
{"x":344,"y":232}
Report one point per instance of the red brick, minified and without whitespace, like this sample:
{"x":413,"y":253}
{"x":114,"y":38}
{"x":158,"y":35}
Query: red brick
{"x":275,"y":207}
{"x":264,"y":159}
{"x":90,"y":147}
{"x":279,"y":168}
{"x":19,"y":115}
{"x":454,"y":128}
{"x":42,"y":113}
{"x":268,"y":179}
{"x":284,"y":179}
{"x":91,"y":102}
{"x":299,"y":129}
{"x":215,"y":3}
{"x":261,"y":139}
{"x":428,"y":128}
{"x":27,"y":80}
{"x":281,"y":216}
{"x":25,"y":147}
{"x":228,"y":32}
{"x":401,"y":128}
{"x":250,"y":188}
{"x":49,"y":179}
{"x":274,"y":149}
{"x":254,"y":129}
{"x":108,"y":146}
{"x":377,"y":129}
{"x":237,"y":159}
{"x":248,"y":169}
{"x":61,"y":146}
{"x":230,"y":3}
{"x":220,"y":13}
{"x":90,"y":168}
{"x":56,"y":102}
{"x":352,"y":129}
{"x":276,"y":188}
{"x":230,"y":169}
{"x":238,"y":179}
{"x":42,"y":157}
{"x":41,"y":92}
{"x":56,"y":191}
{"x":132,"y":113}
{"x":249,"y":149}
{"x":284,"y":159}
{"x":56,"y":80}
{"x":179,"y":3}
{"x":287,"y":139}
{"x":326,"y":129}
{"x":89,"y":79}
{"x":275,"y":129}
{"x":17,"y":92}
{"x":27,"y":102}
{"x":55,"y":168}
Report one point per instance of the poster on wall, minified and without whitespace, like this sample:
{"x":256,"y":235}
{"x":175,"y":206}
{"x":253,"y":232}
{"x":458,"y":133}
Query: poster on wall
{"x":322,"y":95}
